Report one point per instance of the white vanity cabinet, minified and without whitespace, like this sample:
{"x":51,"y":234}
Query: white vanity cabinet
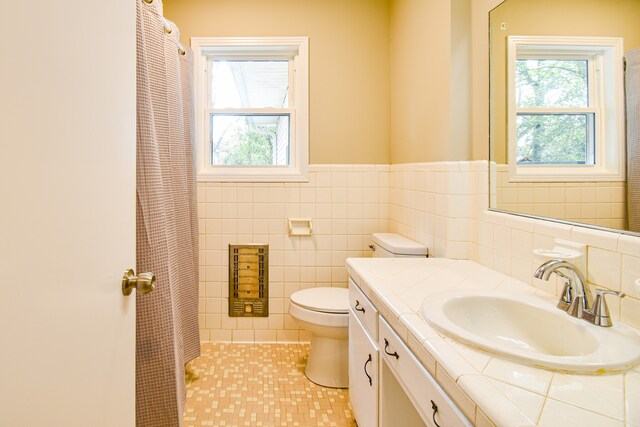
{"x":388,"y":386}
{"x":363,"y":357}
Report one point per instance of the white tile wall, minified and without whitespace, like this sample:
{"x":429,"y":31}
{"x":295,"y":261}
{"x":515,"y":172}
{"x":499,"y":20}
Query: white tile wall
{"x":443,"y":205}
{"x":347,"y":203}
{"x":437,"y":203}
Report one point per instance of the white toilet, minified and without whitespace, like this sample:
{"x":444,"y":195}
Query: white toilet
{"x":324,"y":312}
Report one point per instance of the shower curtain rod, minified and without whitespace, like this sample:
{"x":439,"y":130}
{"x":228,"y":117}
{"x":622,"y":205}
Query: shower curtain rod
{"x":168,"y":30}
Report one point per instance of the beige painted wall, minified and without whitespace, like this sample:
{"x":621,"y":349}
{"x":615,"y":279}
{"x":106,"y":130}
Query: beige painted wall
{"x":419,"y":124}
{"x":613,"y":18}
{"x":480,"y":76}
{"x":349,"y":63}
{"x":402,"y":93}
{"x":430,"y":80}
{"x":461,"y":80}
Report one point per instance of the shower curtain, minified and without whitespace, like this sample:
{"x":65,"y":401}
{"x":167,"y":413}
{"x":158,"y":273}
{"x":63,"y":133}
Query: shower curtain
{"x":632,"y":81}
{"x":166,"y":228}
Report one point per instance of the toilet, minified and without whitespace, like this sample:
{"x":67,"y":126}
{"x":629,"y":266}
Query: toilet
{"x":324,"y":312}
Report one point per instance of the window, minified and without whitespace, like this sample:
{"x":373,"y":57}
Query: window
{"x":566,"y":105}
{"x":251,"y":108}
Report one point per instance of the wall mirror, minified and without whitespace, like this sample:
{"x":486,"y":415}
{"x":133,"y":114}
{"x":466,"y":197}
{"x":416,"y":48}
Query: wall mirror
{"x":564,"y":138}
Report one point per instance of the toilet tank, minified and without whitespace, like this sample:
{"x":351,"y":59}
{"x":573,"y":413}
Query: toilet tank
{"x":392,"y":245}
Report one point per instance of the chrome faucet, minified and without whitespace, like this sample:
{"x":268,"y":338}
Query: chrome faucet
{"x":576,"y":298}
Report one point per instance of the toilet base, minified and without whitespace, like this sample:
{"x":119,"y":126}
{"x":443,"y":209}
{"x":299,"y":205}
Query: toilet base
{"x":328,"y":362}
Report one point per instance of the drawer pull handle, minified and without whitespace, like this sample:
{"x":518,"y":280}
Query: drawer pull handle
{"x":358,"y":308}
{"x":435,"y":411}
{"x":394,"y":354}
{"x":365,"y":369}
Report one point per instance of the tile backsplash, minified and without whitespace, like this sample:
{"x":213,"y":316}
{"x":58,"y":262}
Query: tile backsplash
{"x":442,"y":205}
{"x":505,"y":243}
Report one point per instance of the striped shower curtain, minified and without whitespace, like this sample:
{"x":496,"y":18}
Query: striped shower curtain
{"x":632,"y":81}
{"x":166,"y":227}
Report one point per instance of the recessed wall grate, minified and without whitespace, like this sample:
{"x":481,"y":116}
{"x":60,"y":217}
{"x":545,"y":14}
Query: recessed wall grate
{"x":249,"y":280}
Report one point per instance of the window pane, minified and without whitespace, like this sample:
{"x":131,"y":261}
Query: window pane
{"x":555,"y":139}
{"x":249,"y":84}
{"x":251,"y":140}
{"x":551,"y":83}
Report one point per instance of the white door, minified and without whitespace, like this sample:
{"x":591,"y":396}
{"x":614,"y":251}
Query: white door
{"x":67,"y":213}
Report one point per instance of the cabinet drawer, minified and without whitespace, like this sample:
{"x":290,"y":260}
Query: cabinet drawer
{"x":419,"y":385}
{"x":363,"y":309}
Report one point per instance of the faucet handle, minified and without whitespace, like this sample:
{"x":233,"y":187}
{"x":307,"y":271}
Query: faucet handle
{"x":599,"y":314}
{"x":567,"y":294}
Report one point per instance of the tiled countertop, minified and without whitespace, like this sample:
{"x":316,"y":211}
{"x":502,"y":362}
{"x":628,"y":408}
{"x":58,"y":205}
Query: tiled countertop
{"x":489,"y":389}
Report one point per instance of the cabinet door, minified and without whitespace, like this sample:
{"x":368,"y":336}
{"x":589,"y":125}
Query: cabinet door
{"x":363,"y":374}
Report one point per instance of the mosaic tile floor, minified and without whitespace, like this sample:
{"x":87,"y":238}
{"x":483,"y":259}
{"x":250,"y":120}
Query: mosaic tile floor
{"x":260,"y":385}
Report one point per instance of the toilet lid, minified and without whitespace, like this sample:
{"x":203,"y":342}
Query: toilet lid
{"x":327,"y":300}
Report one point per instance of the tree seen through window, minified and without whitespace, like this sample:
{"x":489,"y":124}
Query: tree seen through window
{"x":550,"y":126}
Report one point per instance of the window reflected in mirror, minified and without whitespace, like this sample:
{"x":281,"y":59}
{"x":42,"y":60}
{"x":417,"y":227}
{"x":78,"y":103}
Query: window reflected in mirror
{"x":557,"y":110}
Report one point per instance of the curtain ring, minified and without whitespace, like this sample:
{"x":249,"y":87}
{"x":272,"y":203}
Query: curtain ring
{"x":148,"y":1}
{"x":167,"y":27}
{"x":181,"y":52}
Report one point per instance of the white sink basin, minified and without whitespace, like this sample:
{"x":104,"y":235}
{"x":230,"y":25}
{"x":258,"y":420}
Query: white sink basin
{"x":531,"y":330}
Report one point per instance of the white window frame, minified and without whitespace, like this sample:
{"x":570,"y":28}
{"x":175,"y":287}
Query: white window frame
{"x":296,"y":49}
{"x":606,"y":93}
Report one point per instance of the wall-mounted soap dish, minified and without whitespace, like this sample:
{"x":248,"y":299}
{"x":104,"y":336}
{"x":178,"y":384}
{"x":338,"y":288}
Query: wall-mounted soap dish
{"x":557,"y":253}
{"x":575,"y":253}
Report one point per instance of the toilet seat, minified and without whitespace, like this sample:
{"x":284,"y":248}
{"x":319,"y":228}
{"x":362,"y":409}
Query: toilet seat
{"x":323,"y":300}
{"x":318,"y":318}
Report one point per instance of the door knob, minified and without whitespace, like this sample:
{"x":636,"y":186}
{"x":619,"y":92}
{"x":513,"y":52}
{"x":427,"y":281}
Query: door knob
{"x":143,"y":282}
